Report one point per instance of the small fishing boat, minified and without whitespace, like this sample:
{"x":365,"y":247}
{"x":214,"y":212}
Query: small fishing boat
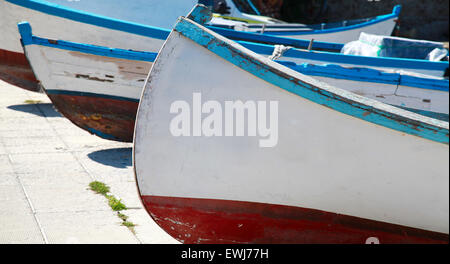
{"x":247,"y":150}
{"x":337,"y":32}
{"x":98,"y":88}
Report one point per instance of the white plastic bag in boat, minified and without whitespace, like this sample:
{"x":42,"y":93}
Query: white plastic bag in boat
{"x":388,"y":46}
{"x":437,"y":54}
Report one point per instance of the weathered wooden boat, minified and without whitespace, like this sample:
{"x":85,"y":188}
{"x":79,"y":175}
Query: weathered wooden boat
{"x":98,"y":88}
{"x":337,"y":32}
{"x":97,"y":22}
{"x":327,"y":165}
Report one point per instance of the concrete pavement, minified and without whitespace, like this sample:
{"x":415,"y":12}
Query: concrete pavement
{"x":46,"y":165}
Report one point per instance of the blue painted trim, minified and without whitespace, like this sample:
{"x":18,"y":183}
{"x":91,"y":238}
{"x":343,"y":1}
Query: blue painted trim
{"x":86,"y":94}
{"x":397,"y":10}
{"x":209,"y":3}
{"x":368,"y":75}
{"x":440,"y":116}
{"x":250,"y":3}
{"x":93,"y":19}
{"x":100,"y":134}
{"x":373,"y":21}
{"x":344,"y":104}
{"x":28,"y":39}
{"x":25,"y":33}
{"x":384,"y":62}
{"x":261,"y":38}
{"x":424,"y":83}
{"x":200,"y":14}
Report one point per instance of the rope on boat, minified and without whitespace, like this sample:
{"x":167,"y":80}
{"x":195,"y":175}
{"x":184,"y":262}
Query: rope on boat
{"x":278,"y":51}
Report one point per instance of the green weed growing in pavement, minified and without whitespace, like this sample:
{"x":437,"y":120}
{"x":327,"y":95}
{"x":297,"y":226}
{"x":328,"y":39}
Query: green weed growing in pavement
{"x":99,"y":187}
{"x":32,"y":101}
{"x":114,"y":203}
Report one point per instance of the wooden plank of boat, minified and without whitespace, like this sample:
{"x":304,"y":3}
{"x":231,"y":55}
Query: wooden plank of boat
{"x":316,"y":164}
{"x":97,"y":88}
{"x":343,"y":32}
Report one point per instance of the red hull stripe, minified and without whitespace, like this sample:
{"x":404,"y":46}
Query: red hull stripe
{"x":107,"y":118}
{"x":15,"y":69}
{"x":221,"y":221}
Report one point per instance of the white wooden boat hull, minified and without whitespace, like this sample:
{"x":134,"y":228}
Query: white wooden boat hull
{"x":97,"y":88}
{"x":345,"y":169}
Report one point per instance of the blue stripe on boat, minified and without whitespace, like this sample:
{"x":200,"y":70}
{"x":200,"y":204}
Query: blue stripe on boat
{"x":253,"y":7}
{"x":300,"y":43}
{"x":433,"y":129}
{"x":29,"y":39}
{"x":101,"y":134}
{"x":368,"y":75}
{"x":395,"y":13}
{"x":440,"y":116}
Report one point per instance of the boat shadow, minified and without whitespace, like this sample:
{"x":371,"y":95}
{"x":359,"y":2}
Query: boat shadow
{"x":115,"y":157}
{"x":39,"y":109}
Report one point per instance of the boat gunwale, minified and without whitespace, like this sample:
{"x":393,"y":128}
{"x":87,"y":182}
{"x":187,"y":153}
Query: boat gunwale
{"x":27,"y":38}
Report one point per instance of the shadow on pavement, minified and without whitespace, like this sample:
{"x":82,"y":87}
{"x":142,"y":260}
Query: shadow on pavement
{"x":116,"y":157}
{"x":39,"y":109}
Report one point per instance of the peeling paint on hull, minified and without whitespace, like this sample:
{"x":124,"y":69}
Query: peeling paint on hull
{"x":15,"y":69}
{"x":210,"y":221}
{"x":107,"y":118}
